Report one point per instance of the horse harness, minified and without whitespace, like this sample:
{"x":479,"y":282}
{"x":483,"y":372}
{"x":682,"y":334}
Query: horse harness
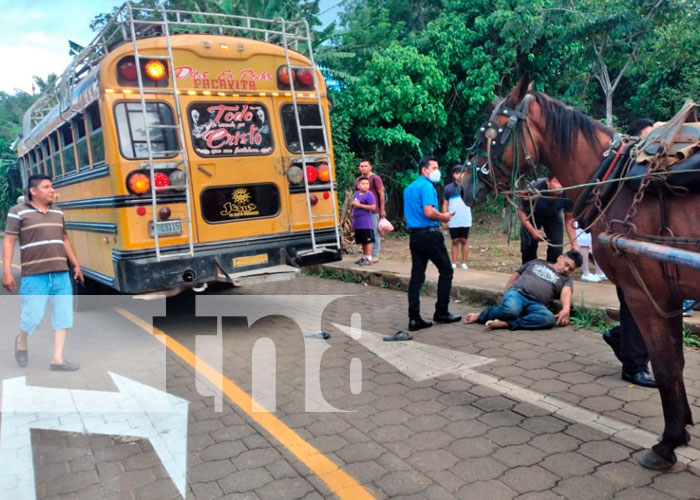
{"x":497,"y":140}
{"x":621,"y":160}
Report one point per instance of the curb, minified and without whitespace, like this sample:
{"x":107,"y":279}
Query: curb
{"x":463,"y":293}
{"x":388,"y":279}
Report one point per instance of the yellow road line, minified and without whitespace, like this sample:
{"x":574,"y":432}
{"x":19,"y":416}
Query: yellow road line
{"x":340,"y":482}
{"x":13,"y":265}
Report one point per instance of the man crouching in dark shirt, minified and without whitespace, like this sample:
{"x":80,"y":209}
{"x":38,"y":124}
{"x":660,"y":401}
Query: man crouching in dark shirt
{"x":529,"y":293}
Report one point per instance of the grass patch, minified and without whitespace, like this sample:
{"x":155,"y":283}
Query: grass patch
{"x":690,"y":338}
{"x":330,"y":275}
{"x":590,"y":319}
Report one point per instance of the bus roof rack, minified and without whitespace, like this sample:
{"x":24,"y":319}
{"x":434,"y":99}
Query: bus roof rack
{"x":146,"y":23}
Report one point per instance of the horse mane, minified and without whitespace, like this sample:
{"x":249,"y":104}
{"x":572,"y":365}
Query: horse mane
{"x":566,"y":123}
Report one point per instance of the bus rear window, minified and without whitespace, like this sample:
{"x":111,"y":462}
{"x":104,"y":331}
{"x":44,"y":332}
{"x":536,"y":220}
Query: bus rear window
{"x":230,"y":129}
{"x":308,"y":116}
{"x":132,"y":130}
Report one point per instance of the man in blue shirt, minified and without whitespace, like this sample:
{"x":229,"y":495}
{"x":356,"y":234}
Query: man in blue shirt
{"x":423,"y":220}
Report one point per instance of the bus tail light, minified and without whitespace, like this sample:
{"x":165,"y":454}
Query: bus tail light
{"x":164,"y":213}
{"x":324,"y":172}
{"x":127,"y":69}
{"x":177,"y":180}
{"x":311,"y":173}
{"x":326,"y":195}
{"x":313,"y":199}
{"x":284,"y":75}
{"x":295,"y":175}
{"x":141,"y":211}
{"x":138,"y":183}
{"x":161,"y":181}
{"x":155,"y":70}
{"x":305,"y":77}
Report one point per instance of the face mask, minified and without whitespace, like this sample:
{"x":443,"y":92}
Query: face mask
{"x":434,"y":176}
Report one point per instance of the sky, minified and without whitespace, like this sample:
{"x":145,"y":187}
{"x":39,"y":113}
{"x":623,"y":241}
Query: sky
{"x":34,"y":35}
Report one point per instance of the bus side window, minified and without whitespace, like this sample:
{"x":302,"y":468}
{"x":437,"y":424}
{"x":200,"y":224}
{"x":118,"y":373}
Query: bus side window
{"x":132,"y":130}
{"x":48,"y":159}
{"x":56,"y":154}
{"x":67,"y":150}
{"x":24,"y":165}
{"x":97,"y":144}
{"x":39,"y":160}
{"x":81,"y":142}
{"x":32,"y":163}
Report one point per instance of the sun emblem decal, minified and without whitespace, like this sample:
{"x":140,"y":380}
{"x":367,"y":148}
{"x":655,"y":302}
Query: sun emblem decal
{"x":240,"y":196}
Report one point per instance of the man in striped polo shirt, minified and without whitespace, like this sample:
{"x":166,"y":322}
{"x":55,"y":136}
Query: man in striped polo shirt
{"x":44,"y":254}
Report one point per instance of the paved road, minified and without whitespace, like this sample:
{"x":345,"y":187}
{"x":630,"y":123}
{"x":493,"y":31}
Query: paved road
{"x":457,"y":413}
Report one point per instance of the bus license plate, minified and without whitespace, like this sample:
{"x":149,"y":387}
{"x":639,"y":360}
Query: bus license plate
{"x":170,"y":228}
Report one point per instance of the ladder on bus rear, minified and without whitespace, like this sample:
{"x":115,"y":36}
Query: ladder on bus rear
{"x":316,"y":248}
{"x":153,"y":167}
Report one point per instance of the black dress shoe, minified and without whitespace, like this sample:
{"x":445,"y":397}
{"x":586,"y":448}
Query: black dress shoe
{"x":418,"y":324}
{"x":642,"y":377}
{"x":22,"y":357}
{"x":66,"y":366}
{"x":446,"y":318}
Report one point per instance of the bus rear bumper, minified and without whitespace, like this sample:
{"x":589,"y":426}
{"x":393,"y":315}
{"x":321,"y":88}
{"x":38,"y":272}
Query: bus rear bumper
{"x":233,"y":261}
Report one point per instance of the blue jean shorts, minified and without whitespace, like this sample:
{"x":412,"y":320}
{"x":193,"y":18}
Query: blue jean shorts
{"x":36,"y":291}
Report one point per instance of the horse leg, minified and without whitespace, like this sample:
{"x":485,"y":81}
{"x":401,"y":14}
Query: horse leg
{"x":663,"y":338}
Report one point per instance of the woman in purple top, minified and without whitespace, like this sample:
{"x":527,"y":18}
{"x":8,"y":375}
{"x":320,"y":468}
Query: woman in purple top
{"x":363,"y":204}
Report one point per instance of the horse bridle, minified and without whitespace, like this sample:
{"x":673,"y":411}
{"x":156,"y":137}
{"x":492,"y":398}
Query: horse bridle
{"x":498,"y":139}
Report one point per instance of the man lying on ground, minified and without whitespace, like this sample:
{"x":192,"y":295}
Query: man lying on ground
{"x":529,"y":293}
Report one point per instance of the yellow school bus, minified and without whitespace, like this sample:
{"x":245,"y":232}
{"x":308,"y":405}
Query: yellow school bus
{"x":187,"y":148}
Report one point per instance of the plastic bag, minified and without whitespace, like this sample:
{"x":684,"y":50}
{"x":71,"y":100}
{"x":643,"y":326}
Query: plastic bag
{"x":384,"y":226}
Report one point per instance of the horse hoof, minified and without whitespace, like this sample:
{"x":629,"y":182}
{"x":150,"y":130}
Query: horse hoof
{"x":651,"y":460}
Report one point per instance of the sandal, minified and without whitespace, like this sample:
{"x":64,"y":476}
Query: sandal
{"x":398,"y":336}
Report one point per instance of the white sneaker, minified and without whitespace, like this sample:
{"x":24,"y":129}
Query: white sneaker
{"x":454,"y":266}
{"x":591,"y":278}
{"x":601,"y":277}
{"x":464,"y":266}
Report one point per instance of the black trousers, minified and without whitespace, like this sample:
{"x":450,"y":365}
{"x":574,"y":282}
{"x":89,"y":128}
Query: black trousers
{"x":428,"y":246}
{"x":554,"y":229}
{"x":627,"y":341}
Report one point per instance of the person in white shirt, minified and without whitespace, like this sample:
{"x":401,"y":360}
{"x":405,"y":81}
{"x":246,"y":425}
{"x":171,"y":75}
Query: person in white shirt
{"x":461,"y":221}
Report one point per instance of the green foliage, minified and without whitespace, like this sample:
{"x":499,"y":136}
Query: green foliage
{"x":690,"y":337}
{"x":8,"y":197}
{"x":340,"y":276}
{"x":590,"y":319}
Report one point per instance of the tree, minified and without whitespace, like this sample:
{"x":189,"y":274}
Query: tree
{"x":42,"y":85}
{"x":613,"y":31}
{"x":667,"y":71}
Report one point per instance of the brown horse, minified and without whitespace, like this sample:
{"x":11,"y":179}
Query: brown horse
{"x":572,"y":146}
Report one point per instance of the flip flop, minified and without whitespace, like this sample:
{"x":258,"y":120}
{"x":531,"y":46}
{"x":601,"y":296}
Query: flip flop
{"x":323,"y":335}
{"x":398,"y":336}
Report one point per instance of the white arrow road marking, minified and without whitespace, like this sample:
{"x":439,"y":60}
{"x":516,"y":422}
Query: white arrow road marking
{"x":134,"y":410}
{"x":422,"y":362}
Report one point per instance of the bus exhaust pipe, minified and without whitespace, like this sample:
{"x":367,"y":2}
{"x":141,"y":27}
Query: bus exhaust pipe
{"x":188,"y":276}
